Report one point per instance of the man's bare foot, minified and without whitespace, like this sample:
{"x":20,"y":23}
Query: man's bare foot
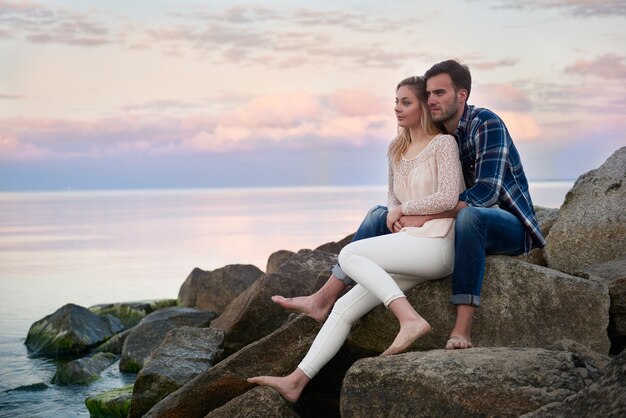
{"x":458,"y":342}
{"x":311,"y":306}
{"x":408,"y":333}
{"x":288,"y":388}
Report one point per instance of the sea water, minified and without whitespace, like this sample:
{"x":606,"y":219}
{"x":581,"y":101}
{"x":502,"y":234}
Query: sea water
{"x":90,"y":247}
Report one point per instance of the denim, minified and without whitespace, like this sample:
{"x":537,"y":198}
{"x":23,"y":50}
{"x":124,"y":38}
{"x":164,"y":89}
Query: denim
{"x":480,"y":232}
{"x":374,"y":224}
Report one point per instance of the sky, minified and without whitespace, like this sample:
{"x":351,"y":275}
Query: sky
{"x":188,"y":94}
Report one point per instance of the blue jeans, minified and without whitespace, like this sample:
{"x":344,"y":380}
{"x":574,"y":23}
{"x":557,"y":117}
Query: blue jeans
{"x":374,"y":224}
{"x":480,"y":232}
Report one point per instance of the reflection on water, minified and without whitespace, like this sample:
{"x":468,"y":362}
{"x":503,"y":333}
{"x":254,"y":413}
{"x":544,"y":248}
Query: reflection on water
{"x":110,"y":246}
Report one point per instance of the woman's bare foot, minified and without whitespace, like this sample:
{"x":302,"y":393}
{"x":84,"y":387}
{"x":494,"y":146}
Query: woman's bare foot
{"x":289,"y":387}
{"x":409,"y":332}
{"x":457,"y":342}
{"x":312,"y":306}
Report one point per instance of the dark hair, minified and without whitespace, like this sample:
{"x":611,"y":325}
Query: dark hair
{"x":459,"y":74}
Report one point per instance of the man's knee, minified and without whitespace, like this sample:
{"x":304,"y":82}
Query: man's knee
{"x":469,"y":218}
{"x":377,"y":213}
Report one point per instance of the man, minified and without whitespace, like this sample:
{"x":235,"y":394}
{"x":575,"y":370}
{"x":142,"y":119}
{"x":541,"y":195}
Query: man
{"x":494,"y":214}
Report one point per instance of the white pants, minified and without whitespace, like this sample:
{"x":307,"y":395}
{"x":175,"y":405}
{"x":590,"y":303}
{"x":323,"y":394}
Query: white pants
{"x":370,"y":262}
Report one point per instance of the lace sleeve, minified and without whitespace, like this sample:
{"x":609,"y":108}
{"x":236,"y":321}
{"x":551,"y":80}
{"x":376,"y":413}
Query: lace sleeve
{"x":449,"y":180}
{"x":392,"y":200}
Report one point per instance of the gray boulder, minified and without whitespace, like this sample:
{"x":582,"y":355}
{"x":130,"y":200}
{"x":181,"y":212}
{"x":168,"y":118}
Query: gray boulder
{"x":130,"y":313}
{"x":70,"y":331}
{"x":546,"y":218}
{"x":523,"y":305}
{"x":590,"y":357}
{"x":591,"y":226}
{"x":185,"y":353}
{"x":214,"y":290}
{"x":84,"y":370}
{"x":151,"y":331}
{"x":277,"y":354}
{"x":260,"y":402}
{"x":613,"y":275}
{"x":605,"y":397}
{"x":276,"y":260}
{"x":504,"y":382}
{"x":252,"y":315}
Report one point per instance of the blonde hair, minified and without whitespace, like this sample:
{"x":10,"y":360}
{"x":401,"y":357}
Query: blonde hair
{"x":401,"y":142}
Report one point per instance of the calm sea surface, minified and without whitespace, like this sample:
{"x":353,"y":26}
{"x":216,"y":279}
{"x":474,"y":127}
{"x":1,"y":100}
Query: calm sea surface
{"x":113,"y":246}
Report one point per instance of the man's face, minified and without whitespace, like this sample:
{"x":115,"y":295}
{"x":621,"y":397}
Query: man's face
{"x":443,"y":101}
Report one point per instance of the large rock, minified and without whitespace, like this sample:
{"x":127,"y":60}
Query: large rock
{"x":252,"y":315}
{"x":151,"y":331}
{"x":130,"y":313}
{"x":84,"y":370}
{"x":185,"y":353}
{"x":110,"y":404}
{"x":70,"y":331}
{"x":546,"y":218}
{"x":276,"y":260}
{"x":612,"y":274}
{"x":504,"y":382}
{"x":523,"y":305}
{"x":590,"y":357}
{"x":260,"y":402}
{"x":591,"y":226}
{"x":605,"y":397}
{"x":277,"y":354}
{"x":214,"y":290}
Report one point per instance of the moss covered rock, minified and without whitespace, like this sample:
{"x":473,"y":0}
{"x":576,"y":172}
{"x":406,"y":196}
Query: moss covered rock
{"x":84,"y":370}
{"x":130,"y":313}
{"x":70,"y":331}
{"x":111,"y":404}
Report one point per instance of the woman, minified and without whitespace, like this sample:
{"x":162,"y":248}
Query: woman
{"x":424,"y":178}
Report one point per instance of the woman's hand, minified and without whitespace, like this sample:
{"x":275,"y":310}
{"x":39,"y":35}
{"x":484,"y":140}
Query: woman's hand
{"x":393,"y":216}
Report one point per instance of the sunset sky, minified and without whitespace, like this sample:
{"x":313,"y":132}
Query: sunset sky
{"x":155,"y":93}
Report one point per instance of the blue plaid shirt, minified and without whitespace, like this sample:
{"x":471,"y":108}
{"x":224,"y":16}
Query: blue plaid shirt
{"x":493,"y":170}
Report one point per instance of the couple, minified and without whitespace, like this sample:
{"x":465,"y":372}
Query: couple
{"x":453,"y":198}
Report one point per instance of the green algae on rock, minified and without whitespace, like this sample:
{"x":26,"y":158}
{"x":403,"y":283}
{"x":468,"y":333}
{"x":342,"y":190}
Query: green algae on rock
{"x":110,"y":404}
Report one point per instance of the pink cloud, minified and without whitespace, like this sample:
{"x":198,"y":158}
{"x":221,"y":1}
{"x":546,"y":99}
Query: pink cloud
{"x":501,"y":97}
{"x":490,"y":65}
{"x":608,"y":66}
{"x":358,"y":103}
{"x":522,"y":127}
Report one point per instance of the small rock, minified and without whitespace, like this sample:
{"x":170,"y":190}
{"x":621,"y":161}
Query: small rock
{"x":111,"y":404}
{"x":84,"y":370}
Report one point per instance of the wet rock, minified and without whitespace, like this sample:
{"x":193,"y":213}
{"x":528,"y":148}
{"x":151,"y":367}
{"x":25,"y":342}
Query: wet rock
{"x":70,"y":331}
{"x":151,"y":331}
{"x":115,"y":344}
{"x":111,"y":404}
{"x":184,"y":353}
{"x":504,"y":382}
{"x":130,"y":313}
{"x":591,"y":226}
{"x":214,"y":290}
{"x":84,"y":370}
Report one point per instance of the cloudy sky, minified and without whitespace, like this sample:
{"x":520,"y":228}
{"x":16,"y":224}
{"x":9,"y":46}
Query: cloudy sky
{"x":155,"y":93}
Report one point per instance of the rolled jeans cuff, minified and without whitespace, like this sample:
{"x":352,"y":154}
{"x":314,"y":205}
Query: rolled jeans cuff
{"x":341,"y":276}
{"x":466,"y":300}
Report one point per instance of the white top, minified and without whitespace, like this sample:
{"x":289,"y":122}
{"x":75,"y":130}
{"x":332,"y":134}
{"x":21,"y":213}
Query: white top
{"x":427,"y":184}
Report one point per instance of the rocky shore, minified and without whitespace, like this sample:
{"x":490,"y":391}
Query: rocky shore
{"x":549,"y":337}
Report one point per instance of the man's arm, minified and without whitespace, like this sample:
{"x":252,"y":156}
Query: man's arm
{"x":419,"y":220}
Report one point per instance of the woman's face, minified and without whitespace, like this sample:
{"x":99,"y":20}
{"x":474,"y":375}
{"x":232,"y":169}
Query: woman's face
{"x":408,"y":109}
